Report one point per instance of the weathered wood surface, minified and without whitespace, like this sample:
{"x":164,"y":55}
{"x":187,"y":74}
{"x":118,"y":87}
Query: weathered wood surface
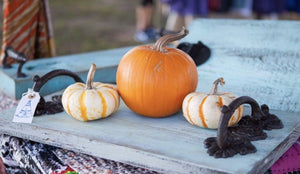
{"x":260,"y":59}
{"x":106,"y":61}
{"x":254,"y":57}
{"x":168,"y":145}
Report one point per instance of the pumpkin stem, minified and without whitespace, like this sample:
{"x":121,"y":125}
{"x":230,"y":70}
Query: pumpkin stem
{"x":214,"y":89}
{"x":164,"y":40}
{"x":90,"y":77}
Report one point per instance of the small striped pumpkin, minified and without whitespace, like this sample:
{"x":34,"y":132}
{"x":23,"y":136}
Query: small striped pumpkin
{"x":90,"y":101}
{"x":203,"y":109}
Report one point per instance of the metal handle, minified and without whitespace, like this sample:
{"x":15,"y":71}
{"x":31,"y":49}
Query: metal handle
{"x":19,"y":57}
{"x":54,"y":106}
{"x":227,"y":112}
{"x":41,"y":81}
{"x":237,"y":139}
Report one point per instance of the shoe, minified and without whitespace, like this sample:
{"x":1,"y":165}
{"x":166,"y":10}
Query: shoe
{"x":149,"y":35}
{"x":152,"y":33}
{"x":141,"y":36}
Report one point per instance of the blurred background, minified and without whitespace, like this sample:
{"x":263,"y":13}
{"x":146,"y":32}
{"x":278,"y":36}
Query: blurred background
{"x":92,"y":25}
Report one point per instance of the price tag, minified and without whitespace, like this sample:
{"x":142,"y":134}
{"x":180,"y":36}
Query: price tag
{"x":26,"y":107}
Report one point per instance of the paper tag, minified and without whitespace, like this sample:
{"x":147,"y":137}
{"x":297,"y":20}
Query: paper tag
{"x":26,"y":107}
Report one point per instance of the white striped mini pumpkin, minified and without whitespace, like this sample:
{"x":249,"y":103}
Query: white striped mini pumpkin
{"x":90,"y":101}
{"x":203,"y":109}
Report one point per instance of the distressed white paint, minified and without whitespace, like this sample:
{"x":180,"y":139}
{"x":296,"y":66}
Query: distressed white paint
{"x":169,"y":145}
{"x":260,"y":59}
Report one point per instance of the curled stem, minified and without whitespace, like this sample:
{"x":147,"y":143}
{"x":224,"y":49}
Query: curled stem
{"x":214,"y":89}
{"x":165,"y":40}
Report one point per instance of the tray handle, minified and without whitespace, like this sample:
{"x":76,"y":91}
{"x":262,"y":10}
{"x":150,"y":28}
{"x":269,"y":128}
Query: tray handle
{"x":237,"y":139}
{"x":227,"y":112}
{"x":19,"y":57}
{"x":39,"y":82}
{"x":54,"y":106}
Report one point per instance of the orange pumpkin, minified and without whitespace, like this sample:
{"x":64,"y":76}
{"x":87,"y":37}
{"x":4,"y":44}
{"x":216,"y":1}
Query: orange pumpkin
{"x":153,"y":80}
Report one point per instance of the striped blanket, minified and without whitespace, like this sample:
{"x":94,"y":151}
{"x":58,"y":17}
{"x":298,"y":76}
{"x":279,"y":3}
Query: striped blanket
{"x":27,"y":28}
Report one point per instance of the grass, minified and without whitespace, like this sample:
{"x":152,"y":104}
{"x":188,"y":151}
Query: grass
{"x":83,"y":26}
{"x":89,"y":25}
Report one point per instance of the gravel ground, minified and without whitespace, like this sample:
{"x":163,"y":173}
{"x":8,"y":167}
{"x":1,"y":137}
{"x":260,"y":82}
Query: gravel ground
{"x":79,"y":162}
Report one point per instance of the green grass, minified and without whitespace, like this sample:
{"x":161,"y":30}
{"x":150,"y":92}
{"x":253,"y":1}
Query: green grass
{"x":83,"y":26}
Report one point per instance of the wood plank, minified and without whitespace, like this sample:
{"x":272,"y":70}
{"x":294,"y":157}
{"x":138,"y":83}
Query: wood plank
{"x":169,"y":145}
{"x":260,"y":59}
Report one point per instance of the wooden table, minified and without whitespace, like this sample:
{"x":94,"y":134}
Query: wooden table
{"x":168,"y":145}
{"x":260,"y":59}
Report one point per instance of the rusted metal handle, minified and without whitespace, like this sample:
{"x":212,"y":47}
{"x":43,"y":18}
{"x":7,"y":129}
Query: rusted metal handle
{"x":227,"y":112}
{"x":55,"y":105}
{"x":41,"y":81}
{"x":19,"y":57}
{"x":237,"y":139}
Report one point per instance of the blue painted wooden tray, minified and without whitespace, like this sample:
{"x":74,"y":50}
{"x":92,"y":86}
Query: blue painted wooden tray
{"x":107,"y":62}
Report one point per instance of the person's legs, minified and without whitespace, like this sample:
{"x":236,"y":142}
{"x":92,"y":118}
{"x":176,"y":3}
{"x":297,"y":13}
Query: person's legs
{"x":174,"y":22}
{"x":188,"y":19}
{"x":144,"y":13}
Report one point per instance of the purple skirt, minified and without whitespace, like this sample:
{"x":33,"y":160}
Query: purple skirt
{"x":190,"y":7}
{"x":268,"y":6}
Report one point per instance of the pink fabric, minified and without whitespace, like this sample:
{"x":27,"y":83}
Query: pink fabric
{"x":289,"y":161}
